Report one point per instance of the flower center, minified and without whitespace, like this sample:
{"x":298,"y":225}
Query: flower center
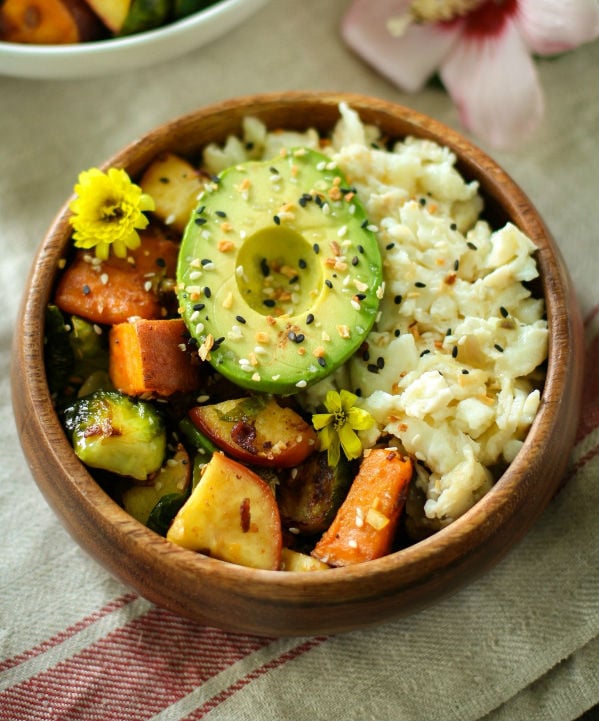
{"x":340,"y":420}
{"x":111,"y":211}
{"x":441,"y":10}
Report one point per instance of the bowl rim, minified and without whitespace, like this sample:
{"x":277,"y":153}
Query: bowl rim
{"x":487,"y":519}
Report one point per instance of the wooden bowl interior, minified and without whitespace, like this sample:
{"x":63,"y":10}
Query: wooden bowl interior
{"x":274,"y":603}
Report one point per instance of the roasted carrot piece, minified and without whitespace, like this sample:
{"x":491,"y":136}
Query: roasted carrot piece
{"x":152,"y":356}
{"x":365,"y":524}
{"x":118,"y":288}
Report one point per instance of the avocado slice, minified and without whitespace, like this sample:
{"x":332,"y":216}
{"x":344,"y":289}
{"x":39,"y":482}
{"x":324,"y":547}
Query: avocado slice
{"x":279,"y":277}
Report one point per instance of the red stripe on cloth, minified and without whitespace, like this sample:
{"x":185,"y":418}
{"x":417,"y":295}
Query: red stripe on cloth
{"x":132,"y":673}
{"x":281,"y":660}
{"x":59,"y":638}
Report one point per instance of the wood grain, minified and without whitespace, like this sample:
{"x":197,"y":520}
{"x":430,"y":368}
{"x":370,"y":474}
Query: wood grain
{"x":274,"y":603}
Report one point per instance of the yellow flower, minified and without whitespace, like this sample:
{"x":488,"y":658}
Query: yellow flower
{"x":338,"y":427}
{"x":108,"y":210}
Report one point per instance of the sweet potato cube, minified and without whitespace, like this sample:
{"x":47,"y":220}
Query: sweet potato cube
{"x":152,"y":356}
{"x":118,"y":288}
{"x":48,"y":22}
{"x":174,"y":185}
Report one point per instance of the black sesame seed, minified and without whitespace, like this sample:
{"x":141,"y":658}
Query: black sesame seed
{"x":453,"y":226}
{"x":201,"y":209}
{"x":361,"y":249}
{"x":309,"y":319}
{"x":328,"y":283}
{"x":360,"y":296}
{"x":365,"y":356}
{"x":364,"y":223}
{"x":380,"y":361}
{"x":86,"y":289}
{"x":389,"y":246}
{"x":422,"y":201}
{"x":397,"y":300}
{"x":215,"y":178}
{"x":471,"y":246}
{"x":454,"y":352}
{"x":397,"y":333}
{"x":498,"y":347}
{"x":465,"y":371}
{"x":358,"y":392}
{"x":269,"y":303}
{"x":448,"y":331}
{"x":165,"y":180}
{"x":373,"y":368}
{"x":205,"y":261}
{"x":199,"y":306}
{"x":200,"y":221}
{"x":456,"y":264}
{"x":420,"y":284}
{"x":322,"y":362}
{"x":207,"y":292}
{"x":249,"y":145}
{"x":240,"y":319}
{"x":424,"y":352}
{"x":299,"y":338}
{"x":316,"y":248}
{"x":503,"y":311}
{"x":160,"y":262}
{"x":302,"y":264}
{"x":291,"y":335}
{"x":264,"y":267}
{"x":293,"y":279}
{"x":220,"y":213}
{"x":273,"y":170}
{"x":355,"y":260}
{"x":276,"y":219}
{"x":303,"y":201}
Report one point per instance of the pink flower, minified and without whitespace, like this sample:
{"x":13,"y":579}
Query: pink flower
{"x":483,"y":55}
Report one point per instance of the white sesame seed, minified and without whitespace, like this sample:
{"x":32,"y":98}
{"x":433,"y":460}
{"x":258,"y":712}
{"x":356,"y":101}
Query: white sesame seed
{"x":301,"y":384}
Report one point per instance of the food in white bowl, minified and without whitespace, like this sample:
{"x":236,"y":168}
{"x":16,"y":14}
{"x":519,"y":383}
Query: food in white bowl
{"x":58,"y":22}
{"x":346,"y":361}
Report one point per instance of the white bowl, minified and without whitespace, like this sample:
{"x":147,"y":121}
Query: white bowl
{"x":134,"y":51}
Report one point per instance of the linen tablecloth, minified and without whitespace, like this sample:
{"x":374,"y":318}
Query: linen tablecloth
{"x":521,"y":642}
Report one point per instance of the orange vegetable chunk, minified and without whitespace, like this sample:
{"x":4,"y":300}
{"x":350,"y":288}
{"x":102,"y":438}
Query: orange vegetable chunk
{"x":118,"y":288}
{"x":152,"y":356}
{"x":48,"y":22}
{"x":366,"y":522}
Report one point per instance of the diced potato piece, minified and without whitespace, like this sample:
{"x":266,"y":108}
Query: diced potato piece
{"x":173,"y":477}
{"x":174,"y":185}
{"x":152,"y":356}
{"x":231,"y":515}
{"x":300,"y":562}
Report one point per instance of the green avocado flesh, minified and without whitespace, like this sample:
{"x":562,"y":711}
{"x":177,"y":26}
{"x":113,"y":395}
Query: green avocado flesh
{"x":279,"y":279}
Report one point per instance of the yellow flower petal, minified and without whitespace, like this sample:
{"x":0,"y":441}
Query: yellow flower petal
{"x":320,"y":420}
{"x":351,"y":444}
{"x":359,"y":419}
{"x":332,"y":402}
{"x":347,"y":399}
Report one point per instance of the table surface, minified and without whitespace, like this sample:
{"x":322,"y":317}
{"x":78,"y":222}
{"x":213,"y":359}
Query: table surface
{"x":519,"y":643}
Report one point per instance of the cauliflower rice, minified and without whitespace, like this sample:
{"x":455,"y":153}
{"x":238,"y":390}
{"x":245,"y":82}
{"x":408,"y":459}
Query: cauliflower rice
{"x":452,"y":368}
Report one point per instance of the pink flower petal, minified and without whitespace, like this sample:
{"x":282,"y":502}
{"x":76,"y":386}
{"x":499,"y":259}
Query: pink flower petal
{"x":408,"y":60}
{"x":553,"y":26}
{"x":493,"y":82}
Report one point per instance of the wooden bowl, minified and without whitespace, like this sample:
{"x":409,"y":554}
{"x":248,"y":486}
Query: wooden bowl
{"x":273,"y":603}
